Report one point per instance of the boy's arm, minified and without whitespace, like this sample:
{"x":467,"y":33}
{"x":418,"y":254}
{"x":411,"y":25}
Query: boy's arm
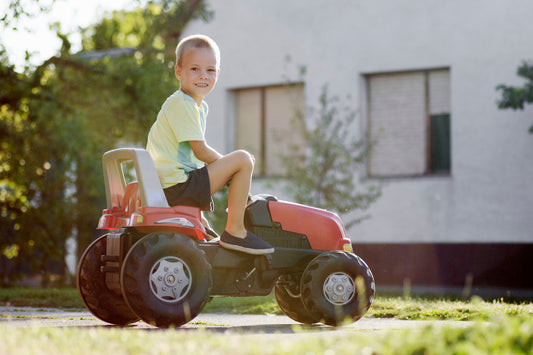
{"x":204,"y":152}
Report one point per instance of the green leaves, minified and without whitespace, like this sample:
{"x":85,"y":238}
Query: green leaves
{"x":56,"y":121}
{"x":516,"y":97}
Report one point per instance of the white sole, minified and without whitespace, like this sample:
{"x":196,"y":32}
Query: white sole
{"x":246,"y":250}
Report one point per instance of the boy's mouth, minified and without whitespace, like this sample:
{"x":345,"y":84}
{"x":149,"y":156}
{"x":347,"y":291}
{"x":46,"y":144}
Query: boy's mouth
{"x":202,"y":85}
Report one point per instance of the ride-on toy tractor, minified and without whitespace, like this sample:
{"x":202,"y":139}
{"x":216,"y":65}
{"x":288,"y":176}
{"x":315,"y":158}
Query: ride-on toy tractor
{"x":158,"y":264}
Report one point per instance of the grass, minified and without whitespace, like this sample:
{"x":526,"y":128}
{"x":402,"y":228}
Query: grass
{"x":503,"y":335}
{"x":391,"y":307}
{"x":243,"y":305}
{"x":445,"y":309}
{"x":40,"y":297}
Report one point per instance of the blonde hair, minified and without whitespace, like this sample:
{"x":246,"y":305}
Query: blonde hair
{"x":197,"y":41}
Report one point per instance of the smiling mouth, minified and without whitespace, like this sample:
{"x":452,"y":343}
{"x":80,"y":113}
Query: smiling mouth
{"x":202,"y":85}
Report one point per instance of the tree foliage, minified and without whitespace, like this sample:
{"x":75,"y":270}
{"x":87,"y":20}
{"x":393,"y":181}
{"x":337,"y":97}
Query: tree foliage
{"x":516,"y":97}
{"x":24,"y":8}
{"x":57,"y":120}
{"x":326,"y":174}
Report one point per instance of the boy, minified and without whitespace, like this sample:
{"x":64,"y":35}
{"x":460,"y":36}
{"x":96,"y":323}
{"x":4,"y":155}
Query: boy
{"x":189,"y":169}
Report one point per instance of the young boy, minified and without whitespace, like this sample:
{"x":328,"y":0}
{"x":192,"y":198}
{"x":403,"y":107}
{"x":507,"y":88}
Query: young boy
{"x":189,"y":169}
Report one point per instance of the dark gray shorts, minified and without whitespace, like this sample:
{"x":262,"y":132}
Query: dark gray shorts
{"x":196,"y":191}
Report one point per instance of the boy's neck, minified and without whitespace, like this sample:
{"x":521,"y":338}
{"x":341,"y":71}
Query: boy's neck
{"x":197,"y":100}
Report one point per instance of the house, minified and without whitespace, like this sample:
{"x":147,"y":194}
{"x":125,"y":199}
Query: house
{"x":456,"y":172}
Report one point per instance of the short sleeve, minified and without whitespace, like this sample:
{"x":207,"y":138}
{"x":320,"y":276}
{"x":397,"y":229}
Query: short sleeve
{"x":184,"y":120}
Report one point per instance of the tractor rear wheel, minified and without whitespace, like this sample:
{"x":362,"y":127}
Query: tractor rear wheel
{"x":99,"y":300}
{"x":166,"y":279}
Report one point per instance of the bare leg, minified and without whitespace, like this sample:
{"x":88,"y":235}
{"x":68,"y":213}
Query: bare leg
{"x":238,"y":167}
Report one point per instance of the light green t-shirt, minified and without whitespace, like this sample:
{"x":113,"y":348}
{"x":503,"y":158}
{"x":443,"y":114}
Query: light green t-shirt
{"x":179,"y":121}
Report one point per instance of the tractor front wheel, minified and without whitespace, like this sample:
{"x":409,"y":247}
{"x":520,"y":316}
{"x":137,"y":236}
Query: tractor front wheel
{"x":288,"y":296}
{"x":337,"y":287}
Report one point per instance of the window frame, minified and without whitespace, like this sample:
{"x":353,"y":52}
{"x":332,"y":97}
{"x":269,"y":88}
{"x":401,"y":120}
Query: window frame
{"x":428,"y":116}
{"x":263,"y":158}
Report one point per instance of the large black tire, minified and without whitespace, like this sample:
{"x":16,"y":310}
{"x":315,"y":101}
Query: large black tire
{"x":337,"y":287}
{"x":99,"y":300}
{"x":166,"y":279}
{"x":288,"y":296}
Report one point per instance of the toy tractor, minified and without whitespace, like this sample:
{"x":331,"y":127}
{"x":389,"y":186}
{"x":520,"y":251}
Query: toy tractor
{"x":157,"y":263}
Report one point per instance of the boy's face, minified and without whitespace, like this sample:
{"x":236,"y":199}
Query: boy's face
{"x":197,"y":72}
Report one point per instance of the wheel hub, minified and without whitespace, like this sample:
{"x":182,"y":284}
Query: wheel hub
{"x":170,"y":279}
{"x":339,"y":288}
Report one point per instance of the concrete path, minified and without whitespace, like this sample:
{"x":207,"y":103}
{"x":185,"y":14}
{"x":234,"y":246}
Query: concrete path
{"x":220,"y":323}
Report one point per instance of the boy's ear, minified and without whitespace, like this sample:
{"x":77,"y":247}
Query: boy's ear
{"x":177,"y":71}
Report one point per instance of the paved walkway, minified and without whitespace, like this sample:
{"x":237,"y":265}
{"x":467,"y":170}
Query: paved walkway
{"x":253,"y":324}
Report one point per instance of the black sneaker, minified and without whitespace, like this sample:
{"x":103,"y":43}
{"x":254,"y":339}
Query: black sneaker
{"x":252,"y":244}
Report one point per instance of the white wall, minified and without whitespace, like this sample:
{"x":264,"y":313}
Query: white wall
{"x":489,"y":195}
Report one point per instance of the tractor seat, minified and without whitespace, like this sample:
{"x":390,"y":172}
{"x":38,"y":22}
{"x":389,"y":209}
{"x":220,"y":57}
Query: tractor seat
{"x":131,"y":201}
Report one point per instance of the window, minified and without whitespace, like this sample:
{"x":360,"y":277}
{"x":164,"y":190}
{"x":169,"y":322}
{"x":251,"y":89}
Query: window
{"x":409,"y":121}
{"x":263,"y":118}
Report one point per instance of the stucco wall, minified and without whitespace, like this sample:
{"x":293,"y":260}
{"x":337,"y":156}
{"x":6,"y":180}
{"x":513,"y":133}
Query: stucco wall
{"x":489,"y":195}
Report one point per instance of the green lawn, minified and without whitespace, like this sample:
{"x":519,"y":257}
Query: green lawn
{"x":40,"y":297}
{"x":502,"y":335}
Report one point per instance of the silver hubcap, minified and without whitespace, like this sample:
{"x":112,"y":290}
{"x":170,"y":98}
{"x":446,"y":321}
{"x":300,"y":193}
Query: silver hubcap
{"x":170,"y":279}
{"x":339,"y":288}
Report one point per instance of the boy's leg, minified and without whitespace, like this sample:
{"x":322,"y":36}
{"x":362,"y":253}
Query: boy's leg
{"x":237,"y":167}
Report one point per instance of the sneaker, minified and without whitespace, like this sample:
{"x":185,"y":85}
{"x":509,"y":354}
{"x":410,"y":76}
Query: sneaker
{"x":252,"y":244}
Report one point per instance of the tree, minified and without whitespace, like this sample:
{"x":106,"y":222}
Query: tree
{"x":515,"y":97}
{"x":21,"y":8}
{"x":33,"y":177}
{"x":326,"y":172}
{"x":57,"y":120}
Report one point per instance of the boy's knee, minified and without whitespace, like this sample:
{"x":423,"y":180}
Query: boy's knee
{"x":245,"y":158}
